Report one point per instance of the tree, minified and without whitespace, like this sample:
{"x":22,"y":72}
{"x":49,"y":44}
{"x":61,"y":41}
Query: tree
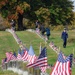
{"x":60,"y":11}
{"x":51,"y":11}
{"x":14,"y":9}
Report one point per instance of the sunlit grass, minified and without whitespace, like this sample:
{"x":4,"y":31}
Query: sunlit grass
{"x":8,"y":43}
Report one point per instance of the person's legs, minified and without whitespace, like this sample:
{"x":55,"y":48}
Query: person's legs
{"x":64,"y":44}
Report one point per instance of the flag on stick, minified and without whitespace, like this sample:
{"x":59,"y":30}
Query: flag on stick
{"x":4,"y":61}
{"x":63,"y":66}
{"x":9,"y":55}
{"x":14,"y":56}
{"x":19,"y":57}
{"x":25,"y":55}
{"x":41,"y":61}
{"x":31,"y":55}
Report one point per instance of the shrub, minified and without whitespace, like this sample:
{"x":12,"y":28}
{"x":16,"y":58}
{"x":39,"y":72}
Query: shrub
{"x":71,"y":40}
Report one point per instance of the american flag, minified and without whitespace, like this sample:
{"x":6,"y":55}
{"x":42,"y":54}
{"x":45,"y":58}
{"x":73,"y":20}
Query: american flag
{"x":62,"y":66}
{"x":23,"y":49}
{"x":25,"y":55}
{"x":31,"y":55}
{"x":9,"y":55}
{"x":51,"y":44}
{"x":14,"y":56}
{"x":4,"y":60}
{"x":22,"y":52}
{"x":41,"y":61}
{"x":19,"y":57}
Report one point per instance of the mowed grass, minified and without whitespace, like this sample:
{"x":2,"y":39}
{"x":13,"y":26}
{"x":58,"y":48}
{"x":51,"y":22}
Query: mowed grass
{"x":8,"y":43}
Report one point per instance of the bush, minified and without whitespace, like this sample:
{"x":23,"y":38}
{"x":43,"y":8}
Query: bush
{"x":71,"y":40}
{"x":57,"y":28}
{"x":4,"y":25}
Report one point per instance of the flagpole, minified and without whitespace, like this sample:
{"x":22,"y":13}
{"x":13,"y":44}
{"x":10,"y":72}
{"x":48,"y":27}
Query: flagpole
{"x":40,"y":48}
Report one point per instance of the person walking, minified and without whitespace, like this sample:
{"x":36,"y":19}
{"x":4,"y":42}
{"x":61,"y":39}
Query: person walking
{"x":13,"y":24}
{"x":42,"y":29}
{"x":47,"y":32}
{"x":64,"y":36}
{"x":36,"y":24}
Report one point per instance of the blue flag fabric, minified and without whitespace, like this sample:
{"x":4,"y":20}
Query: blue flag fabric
{"x":71,"y":59}
{"x":14,"y":54}
{"x":19,"y":51}
{"x":5,"y":59}
{"x":31,"y":51}
{"x":22,"y":52}
{"x":41,"y":61}
{"x":43,"y":53}
{"x":60,"y":57}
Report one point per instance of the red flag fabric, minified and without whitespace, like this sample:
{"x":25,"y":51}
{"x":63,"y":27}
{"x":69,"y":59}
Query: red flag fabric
{"x":25,"y":56}
{"x":9,"y":55}
{"x":14,"y":57}
{"x":41,"y":62}
{"x":62,"y":66}
{"x":31,"y":56}
{"x":19,"y":57}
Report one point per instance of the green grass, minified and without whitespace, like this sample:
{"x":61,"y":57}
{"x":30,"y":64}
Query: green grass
{"x":8,"y":43}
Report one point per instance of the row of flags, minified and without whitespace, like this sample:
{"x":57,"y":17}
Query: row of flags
{"x":54,"y":47}
{"x":62,"y":66}
{"x":29,"y":56}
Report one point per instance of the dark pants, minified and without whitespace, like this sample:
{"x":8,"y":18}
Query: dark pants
{"x":64,"y":43}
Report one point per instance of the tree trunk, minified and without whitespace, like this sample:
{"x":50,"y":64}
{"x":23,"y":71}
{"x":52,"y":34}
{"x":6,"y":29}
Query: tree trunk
{"x":20,"y":21}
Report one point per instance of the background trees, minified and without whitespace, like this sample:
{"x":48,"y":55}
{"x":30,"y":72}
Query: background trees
{"x":48,"y":11}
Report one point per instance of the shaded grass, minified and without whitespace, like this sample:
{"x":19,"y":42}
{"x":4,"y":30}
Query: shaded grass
{"x":8,"y":43}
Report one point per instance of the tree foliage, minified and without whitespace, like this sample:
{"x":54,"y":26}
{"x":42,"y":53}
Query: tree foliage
{"x":51,"y":11}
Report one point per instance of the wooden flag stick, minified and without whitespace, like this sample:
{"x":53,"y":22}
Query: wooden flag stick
{"x":40,"y":48}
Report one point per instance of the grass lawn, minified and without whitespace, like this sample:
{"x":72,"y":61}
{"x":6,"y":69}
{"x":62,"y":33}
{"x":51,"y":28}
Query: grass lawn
{"x":8,"y":43}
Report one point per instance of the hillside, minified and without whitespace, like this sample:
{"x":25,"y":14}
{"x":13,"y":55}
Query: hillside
{"x":8,"y":43}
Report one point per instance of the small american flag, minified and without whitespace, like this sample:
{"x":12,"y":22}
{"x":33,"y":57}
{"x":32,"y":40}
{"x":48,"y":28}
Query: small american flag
{"x":9,"y":55}
{"x":51,"y":44}
{"x":25,"y":55}
{"x":62,"y":66}
{"x":19,"y":57}
{"x":31,"y":55}
{"x":41,"y":61}
{"x":4,"y":60}
{"x":14,"y":56}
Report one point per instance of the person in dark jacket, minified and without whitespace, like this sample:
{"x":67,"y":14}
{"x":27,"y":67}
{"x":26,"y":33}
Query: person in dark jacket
{"x":64,"y":36}
{"x":47,"y":32}
{"x":13,"y":24}
{"x":42,"y":29}
{"x":37,"y":23}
